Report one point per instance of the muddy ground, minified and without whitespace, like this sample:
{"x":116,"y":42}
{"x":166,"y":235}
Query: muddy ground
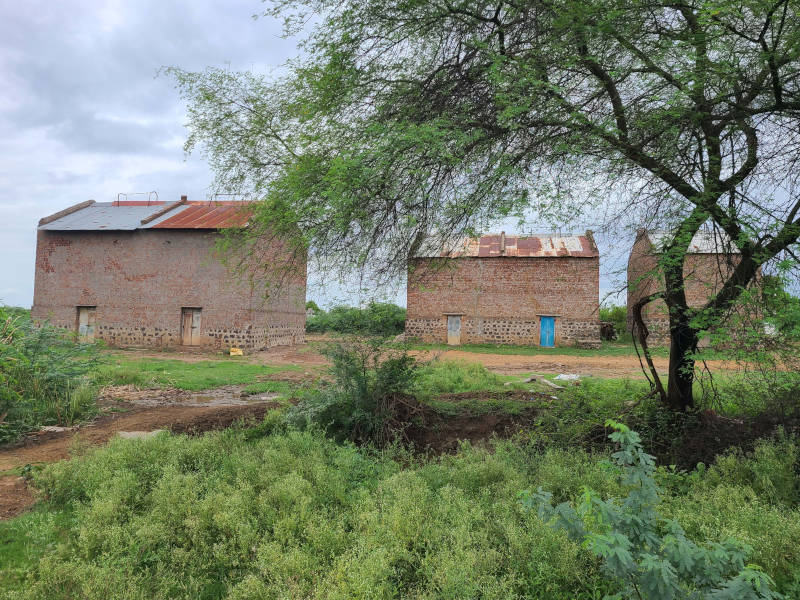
{"x":126,"y":409}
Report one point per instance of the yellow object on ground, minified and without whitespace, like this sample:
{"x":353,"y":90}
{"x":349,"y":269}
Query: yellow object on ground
{"x":236,"y":352}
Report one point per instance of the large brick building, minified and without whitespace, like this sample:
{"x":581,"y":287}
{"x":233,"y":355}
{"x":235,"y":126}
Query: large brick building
{"x":710,"y":259}
{"x":537,"y":290}
{"x":146,"y":274}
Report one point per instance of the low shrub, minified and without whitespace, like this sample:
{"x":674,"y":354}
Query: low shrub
{"x":377,"y":318}
{"x":43,"y":377}
{"x":369,"y":388}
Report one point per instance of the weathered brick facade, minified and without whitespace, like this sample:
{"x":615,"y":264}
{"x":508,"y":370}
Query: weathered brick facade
{"x":502,"y":298}
{"x":704,"y":273}
{"x":140,"y":280}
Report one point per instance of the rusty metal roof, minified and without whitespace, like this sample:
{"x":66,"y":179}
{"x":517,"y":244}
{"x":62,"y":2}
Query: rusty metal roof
{"x":132,"y":215}
{"x":519,"y":246}
{"x":205,"y":215}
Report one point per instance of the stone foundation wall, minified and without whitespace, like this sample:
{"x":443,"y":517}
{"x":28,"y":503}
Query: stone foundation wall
{"x":502,"y":331}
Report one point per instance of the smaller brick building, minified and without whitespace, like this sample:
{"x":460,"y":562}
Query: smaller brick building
{"x":525,"y":290}
{"x":710,"y":259}
{"x":145,"y":274}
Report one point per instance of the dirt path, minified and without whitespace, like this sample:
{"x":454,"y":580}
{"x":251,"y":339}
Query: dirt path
{"x":126,"y":409}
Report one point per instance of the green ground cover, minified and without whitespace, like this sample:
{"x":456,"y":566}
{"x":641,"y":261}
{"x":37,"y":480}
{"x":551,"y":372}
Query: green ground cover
{"x":606,"y":349}
{"x":292,"y":514}
{"x":193,"y":376}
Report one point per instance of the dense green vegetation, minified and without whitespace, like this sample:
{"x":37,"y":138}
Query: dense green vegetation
{"x":377,"y":318}
{"x":295,"y":515}
{"x":44,"y":376}
{"x":617,"y":315}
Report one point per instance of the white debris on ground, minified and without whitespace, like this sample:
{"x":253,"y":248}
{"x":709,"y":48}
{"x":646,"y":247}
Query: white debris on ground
{"x":139,"y":435}
{"x":567,"y":377}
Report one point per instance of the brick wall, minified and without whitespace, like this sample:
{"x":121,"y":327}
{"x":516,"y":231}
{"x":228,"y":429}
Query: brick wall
{"x":140,"y":280}
{"x":502,"y":298}
{"x":703,"y":275}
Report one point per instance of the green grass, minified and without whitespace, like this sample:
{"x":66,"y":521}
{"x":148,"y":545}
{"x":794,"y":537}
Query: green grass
{"x":284,"y":388}
{"x":24,"y":540}
{"x":453,"y":377}
{"x":193,"y":376}
{"x":227,"y":515}
{"x":607,"y":349}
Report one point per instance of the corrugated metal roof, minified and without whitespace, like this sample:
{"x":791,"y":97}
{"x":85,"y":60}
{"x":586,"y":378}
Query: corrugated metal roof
{"x":205,"y":215}
{"x":128,"y":216}
{"x":529,"y":246}
{"x":704,"y":241}
{"x":103,"y":216}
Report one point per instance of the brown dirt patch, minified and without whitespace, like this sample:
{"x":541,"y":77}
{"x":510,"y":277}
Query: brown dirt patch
{"x":15,"y":497}
{"x":432,"y":431}
{"x":54,"y":446}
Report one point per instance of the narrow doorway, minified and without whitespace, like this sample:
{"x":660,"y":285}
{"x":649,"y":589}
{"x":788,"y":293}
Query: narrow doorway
{"x":547,"y":332}
{"x":190,"y":326}
{"x":453,"y":330}
{"x":87,"y":315}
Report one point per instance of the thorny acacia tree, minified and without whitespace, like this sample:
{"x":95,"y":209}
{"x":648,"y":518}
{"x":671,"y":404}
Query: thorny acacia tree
{"x":408,"y":118}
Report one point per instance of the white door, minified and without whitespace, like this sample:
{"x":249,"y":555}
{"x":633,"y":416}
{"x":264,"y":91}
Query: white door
{"x":454,"y":330}
{"x":86,"y":322}
{"x":190,"y":326}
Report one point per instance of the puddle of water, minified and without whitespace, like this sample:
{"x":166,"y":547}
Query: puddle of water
{"x":226,"y":396}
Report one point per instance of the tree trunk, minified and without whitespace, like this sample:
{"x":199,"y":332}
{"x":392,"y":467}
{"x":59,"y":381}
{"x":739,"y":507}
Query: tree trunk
{"x":683,"y":344}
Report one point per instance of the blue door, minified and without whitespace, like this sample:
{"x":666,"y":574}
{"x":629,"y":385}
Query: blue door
{"x":547,"y":331}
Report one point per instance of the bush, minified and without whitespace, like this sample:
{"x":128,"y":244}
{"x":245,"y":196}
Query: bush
{"x":42,"y":377}
{"x":651,"y":556}
{"x":376,"y":319}
{"x":369,"y":387}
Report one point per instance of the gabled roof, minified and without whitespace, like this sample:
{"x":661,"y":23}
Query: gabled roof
{"x":132,"y":215}
{"x":705,"y":241}
{"x":519,"y":246}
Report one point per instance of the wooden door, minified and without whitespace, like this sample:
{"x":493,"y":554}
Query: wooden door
{"x":454,"y":330}
{"x":547,"y":331}
{"x":190,"y":326}
{"x":86,"y":323}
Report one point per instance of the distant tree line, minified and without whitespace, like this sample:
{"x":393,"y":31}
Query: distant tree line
{"x":377,"y":318}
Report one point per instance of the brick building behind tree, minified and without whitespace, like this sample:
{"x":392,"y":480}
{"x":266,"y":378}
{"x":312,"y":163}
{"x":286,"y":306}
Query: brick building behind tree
{"x":710,"y":259}
{"x":524,"y":290}
{"x":137,"y":273}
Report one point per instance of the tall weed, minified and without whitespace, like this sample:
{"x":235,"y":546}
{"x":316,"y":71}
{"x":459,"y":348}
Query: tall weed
{"x":43,"y":377}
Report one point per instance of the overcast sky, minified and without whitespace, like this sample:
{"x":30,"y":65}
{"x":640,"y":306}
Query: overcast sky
{"x":84,"y":114}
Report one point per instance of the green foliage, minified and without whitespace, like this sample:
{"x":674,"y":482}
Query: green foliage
{"x":376,"y":319}
{"x":362,"y":403}
{"x":618,"y":315}
{"x":310,"y":304}
{"x":43,"y":377}
{"x":295,"y":515}
{"x":185,"y":375}
{"x":651,"y":555}
{"x":271,"y":513}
